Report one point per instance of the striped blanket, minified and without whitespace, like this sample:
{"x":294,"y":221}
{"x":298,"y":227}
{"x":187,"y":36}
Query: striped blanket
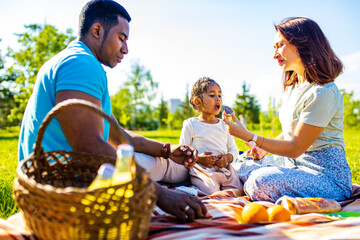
{"x":225,"y":225}
{"x":225,"y":210}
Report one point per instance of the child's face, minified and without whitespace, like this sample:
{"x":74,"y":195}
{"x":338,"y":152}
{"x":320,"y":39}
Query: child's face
{"x":211,"y":100}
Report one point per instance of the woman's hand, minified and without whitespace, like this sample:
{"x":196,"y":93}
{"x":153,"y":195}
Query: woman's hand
{"x":236,"y":128}
{"x":224,"y":160}
{"x":256,"y":153}
{"x":207,"y":159}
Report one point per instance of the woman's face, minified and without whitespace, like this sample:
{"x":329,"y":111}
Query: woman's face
{"x":287,"y":55}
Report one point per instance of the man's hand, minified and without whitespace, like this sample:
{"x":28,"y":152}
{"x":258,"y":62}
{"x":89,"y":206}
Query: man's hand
{"x":183,"y":154}
{"x":185,"y":207}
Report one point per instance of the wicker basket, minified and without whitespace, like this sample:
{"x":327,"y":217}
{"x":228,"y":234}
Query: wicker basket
{"x":51,"y":190}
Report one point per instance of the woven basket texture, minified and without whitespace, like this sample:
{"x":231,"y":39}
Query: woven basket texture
{"x":51,"y":191}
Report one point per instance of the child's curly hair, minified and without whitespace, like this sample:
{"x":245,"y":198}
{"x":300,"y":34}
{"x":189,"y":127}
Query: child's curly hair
{"x":200,"y":87}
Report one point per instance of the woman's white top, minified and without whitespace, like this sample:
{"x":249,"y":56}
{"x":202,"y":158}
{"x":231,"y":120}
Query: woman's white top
{"x":317,"y":105}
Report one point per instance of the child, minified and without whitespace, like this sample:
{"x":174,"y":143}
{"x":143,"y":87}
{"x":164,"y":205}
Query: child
{"x":208,"y":134}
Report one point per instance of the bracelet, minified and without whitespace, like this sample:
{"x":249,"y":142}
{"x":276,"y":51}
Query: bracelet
{"x":165,"y":150}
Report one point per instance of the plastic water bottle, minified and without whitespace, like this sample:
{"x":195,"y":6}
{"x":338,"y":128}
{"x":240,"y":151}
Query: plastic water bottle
{"x":104,"y":177}
{"x":122,"y":172}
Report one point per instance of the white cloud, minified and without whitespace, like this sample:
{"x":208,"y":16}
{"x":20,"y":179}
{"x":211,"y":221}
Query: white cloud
{"x":352,"y":62}
{"x":349,"y":79}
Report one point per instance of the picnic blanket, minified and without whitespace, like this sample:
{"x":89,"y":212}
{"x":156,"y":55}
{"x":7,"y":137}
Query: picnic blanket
{"x":225,"y":208}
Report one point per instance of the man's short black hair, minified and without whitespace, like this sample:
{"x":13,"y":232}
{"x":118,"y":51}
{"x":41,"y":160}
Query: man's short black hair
{"x":106,"y":12}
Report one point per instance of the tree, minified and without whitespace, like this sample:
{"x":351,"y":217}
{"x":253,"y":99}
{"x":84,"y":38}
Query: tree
{"x":121,"y":107}
{"x":184,"y":112}
{"x":247,"y":106}
{"x":140,"y":92}
{"x":38,"y":44}
{"x":351,"y":111}
{"x":7,"y":85}
{"x":4,"y":95}
{"x":163,"y":114}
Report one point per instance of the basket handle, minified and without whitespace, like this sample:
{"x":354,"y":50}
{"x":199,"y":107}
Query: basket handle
{"x":38,"y":150}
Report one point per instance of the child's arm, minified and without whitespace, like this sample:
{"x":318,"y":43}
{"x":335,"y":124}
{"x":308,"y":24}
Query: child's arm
{"x":186,"y":135}
{"x":224,"y":160}
{"x":233,"y":152}
{"x":232,"y":148}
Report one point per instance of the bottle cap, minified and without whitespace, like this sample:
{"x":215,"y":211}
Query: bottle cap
{"x":125,"y":150}
{"x":106,"y":170}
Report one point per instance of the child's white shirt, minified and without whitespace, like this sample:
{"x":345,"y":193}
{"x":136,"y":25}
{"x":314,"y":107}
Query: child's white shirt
{"x":207,"y":137}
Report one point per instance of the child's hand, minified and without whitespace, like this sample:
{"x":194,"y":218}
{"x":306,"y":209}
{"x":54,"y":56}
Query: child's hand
{"x":224,"y":160}
{"x":207,"y":159}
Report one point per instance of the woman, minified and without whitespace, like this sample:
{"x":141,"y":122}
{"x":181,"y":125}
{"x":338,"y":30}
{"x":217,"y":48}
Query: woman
{"x":311,"y":115}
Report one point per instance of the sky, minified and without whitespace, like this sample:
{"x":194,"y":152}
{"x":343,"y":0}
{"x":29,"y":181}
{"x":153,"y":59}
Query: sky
{"x":179,"y":41}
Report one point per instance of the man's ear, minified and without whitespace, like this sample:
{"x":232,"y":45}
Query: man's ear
{"x":96,"y":30}
{"x":197,"y":101}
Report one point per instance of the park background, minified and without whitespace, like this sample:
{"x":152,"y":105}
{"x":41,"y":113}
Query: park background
{"x":171,"y":45}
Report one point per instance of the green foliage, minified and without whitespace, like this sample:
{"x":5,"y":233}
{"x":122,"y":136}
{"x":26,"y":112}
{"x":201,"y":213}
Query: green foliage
{"x":351,"y":111}
{"x":162,"y":114}
{"x":121,"y":106}
{"x":247,"y":106}
{"x":38,"y":44}
{"x":270,"y":119}
{"x":132,"y":104}
{"x":7,"y":102}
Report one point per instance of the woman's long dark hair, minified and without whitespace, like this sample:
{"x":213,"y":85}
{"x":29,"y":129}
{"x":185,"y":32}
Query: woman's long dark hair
{"x":320,"y":62}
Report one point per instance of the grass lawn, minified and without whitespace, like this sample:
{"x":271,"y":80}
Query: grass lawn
{"x":8,"y":164}
{"x":8,"y":158}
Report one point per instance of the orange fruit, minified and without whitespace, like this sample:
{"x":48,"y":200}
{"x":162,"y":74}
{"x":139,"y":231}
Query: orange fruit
{"x":277,"y":213}
{"x":254,"y":212}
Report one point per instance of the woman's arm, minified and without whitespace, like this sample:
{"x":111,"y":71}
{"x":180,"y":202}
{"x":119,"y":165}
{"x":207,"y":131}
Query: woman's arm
{"x":304,"y":136}
{"x":259,"y":153}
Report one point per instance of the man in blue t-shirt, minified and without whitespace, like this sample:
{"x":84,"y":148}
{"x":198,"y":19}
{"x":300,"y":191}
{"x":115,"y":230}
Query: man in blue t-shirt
{"x":76,"y":73}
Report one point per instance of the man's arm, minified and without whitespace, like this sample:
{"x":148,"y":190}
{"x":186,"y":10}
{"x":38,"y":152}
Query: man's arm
{"x":181,"y":154}
{"x":83,"y":129}
{"x":140,"y":143}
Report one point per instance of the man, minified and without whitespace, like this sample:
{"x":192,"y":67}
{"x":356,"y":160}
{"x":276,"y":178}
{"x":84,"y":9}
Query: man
{"x":76,"y":73}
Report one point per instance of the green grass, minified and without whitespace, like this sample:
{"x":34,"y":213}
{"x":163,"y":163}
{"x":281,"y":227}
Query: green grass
{"x":8,"y":164}
{"x":8,"y":158}
{"x":352,"y":149}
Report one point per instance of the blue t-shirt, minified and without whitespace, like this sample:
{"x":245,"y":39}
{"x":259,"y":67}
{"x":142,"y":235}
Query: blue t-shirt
{"x":74,"y":68}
